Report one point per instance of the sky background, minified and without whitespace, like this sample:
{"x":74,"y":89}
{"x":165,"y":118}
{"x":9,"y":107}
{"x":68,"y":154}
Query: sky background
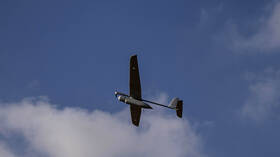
{"x":220,"y":57}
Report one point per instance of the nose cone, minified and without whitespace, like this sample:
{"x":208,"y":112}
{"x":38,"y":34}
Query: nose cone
{"x":121,"y":98}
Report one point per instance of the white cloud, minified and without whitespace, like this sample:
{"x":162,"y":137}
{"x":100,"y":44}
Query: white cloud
{"x":4,"y":152}
{"x":264,"y":99}
{"x":266,"y":39}
{"x":73,"y":132}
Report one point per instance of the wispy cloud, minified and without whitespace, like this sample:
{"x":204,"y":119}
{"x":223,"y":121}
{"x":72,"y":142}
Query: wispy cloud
{"x":265,"y":39}
{"x":34,"y":84}
{"x":208,"y":15}
{"x":73,"y":132}
{"x":264,"y":97}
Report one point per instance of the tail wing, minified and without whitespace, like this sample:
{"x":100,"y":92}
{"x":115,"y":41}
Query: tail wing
{"x":177,"y":105}
{"x":179,"y":109}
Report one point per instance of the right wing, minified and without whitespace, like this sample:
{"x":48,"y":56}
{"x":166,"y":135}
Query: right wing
{"x":134,"y":89}
{"x":134,"y":79}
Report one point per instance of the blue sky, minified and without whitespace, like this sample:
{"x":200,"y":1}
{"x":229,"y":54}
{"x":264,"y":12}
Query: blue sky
{"x":220,"y":57}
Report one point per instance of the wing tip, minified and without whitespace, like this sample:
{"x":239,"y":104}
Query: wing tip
{"x":133,"y":56}
{"x":135,"y":122}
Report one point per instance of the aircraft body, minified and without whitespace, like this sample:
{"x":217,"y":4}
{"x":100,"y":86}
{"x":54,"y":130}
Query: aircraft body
{"x":134,"y":99}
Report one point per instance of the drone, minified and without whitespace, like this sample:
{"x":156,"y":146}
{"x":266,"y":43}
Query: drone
{"x":134,"y":99}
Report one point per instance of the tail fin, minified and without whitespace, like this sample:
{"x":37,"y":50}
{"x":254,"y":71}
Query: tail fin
{"x":177,"y":105}
{"x":173,"y":103}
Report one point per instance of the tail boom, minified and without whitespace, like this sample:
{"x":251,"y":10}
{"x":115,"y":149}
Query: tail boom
{"x":175,"y":104}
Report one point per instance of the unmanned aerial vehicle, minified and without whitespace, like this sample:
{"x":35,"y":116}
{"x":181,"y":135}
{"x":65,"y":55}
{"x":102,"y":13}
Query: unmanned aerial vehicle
{"x":134,"y":99}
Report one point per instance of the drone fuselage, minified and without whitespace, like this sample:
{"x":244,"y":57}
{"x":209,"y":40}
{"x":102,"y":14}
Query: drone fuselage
{"x":131,"y":101}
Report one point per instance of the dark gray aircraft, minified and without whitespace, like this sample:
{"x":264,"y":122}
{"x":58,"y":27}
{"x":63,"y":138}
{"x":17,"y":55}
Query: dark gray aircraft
{"x":134,"y":99}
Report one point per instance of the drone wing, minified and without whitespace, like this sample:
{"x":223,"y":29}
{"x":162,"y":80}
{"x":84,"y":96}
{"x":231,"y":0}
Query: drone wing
{"x":134,"y":80}
{"x":135,"y":114}
{"x":134,"y":89}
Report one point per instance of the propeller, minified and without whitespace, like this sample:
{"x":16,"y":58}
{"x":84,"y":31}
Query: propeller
{"x":116,"y":93}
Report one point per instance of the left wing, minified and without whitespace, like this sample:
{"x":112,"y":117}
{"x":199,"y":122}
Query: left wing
{"x":135,"y":114}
